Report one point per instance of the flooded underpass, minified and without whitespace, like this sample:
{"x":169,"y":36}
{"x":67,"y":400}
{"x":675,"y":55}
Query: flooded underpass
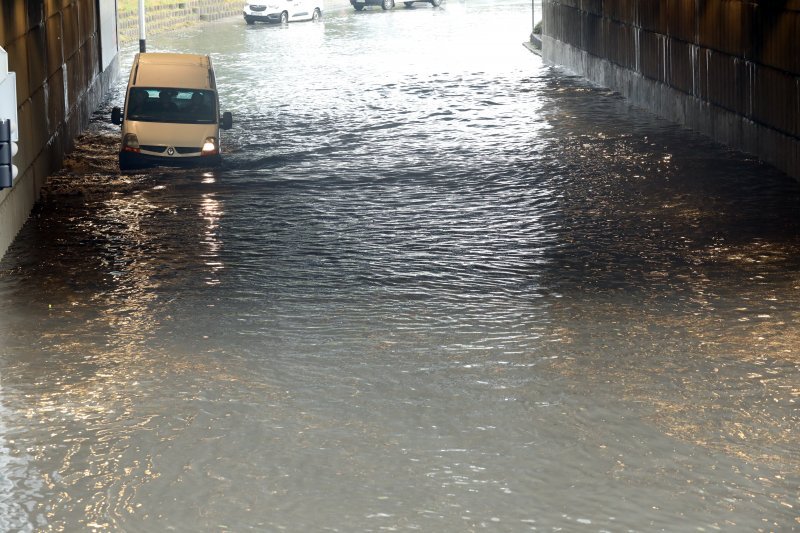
{"x":436,"y":286}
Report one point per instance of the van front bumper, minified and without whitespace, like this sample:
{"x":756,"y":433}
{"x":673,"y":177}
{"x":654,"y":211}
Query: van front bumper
{"x":135,"y":160}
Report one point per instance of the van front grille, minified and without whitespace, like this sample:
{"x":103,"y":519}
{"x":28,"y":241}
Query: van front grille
{"x":154,"y":148}
{"x":180,"y":149}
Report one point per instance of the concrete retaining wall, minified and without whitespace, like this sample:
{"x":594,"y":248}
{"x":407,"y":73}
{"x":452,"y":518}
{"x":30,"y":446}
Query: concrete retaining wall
{"x":53,"y":47}
{"x":175,"y":15}
{"x":727,"y":68}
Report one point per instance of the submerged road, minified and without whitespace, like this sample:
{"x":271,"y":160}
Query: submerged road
{"x":436,"y":286}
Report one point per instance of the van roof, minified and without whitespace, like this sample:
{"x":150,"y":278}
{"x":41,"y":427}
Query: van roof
{"x":191,"y":71}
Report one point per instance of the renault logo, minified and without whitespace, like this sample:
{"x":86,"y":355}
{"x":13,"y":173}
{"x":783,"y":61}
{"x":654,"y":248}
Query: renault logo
{"x":170,"y":151}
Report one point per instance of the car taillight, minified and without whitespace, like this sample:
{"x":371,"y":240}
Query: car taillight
{"x":210,"y":146}
{"x":130,"y":143}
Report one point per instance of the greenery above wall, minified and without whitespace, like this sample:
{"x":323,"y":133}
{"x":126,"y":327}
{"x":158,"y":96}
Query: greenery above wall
{"x":169,"y":15}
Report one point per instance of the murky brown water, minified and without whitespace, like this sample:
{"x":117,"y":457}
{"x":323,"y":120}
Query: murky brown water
{"x":437,"y":286}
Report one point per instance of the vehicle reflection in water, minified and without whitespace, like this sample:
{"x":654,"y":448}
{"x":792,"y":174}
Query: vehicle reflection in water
{"x":436,"y":286}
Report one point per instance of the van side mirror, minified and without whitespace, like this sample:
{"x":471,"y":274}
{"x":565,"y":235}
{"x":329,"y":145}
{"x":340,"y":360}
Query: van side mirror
{"x":116,"y":116}
{"x":227,"y":121}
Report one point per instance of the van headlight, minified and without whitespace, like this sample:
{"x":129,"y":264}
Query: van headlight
{"x":130,"y":143}
{"x":210,"y":146}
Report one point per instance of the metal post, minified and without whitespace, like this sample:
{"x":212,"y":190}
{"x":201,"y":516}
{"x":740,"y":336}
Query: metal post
{"x":142,"y":46}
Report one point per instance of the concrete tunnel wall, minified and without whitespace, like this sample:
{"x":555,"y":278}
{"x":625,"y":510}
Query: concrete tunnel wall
{"x":727,"y":68}
{"x":54,"y":48}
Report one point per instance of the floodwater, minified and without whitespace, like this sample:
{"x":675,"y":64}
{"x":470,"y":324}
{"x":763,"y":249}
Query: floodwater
{"x":437,"y":286}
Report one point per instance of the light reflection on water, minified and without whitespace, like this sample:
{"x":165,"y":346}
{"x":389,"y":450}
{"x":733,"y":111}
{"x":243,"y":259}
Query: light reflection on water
{"x":442,"y":287}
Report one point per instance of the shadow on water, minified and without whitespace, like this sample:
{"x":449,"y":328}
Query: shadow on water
{"x":664,"y":249}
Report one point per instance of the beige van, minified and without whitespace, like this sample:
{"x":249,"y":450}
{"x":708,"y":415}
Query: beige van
{"x":171,"y":115}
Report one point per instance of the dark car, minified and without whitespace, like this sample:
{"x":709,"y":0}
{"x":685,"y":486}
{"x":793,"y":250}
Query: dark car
{"x":389,"y":4}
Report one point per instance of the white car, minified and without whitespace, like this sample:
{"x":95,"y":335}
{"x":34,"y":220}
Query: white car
{"x":282,"y":11}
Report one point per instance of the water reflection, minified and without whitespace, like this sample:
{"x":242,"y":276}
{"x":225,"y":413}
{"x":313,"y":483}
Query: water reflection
{"x":211,"y":210}
{"x":691,"y":281}
{"x":20,"y":482}
{"x":96,"y":363}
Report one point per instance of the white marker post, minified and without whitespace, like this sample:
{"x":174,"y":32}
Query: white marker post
{"x":142,"y":46}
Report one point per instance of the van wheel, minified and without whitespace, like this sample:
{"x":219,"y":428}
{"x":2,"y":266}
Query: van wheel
{"x":387,"y":4}
{"x":357,"y":7}
{"x":408,"y":4}
{"x":316,"y":15}
{"x":284,"y":17}
{"x":249,"y":20}
{"x":436,"y":3}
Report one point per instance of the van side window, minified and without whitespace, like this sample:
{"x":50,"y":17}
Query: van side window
{"x":137,"y":103}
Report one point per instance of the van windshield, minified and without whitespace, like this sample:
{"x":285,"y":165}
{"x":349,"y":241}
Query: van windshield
{"x":189,"y":106}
